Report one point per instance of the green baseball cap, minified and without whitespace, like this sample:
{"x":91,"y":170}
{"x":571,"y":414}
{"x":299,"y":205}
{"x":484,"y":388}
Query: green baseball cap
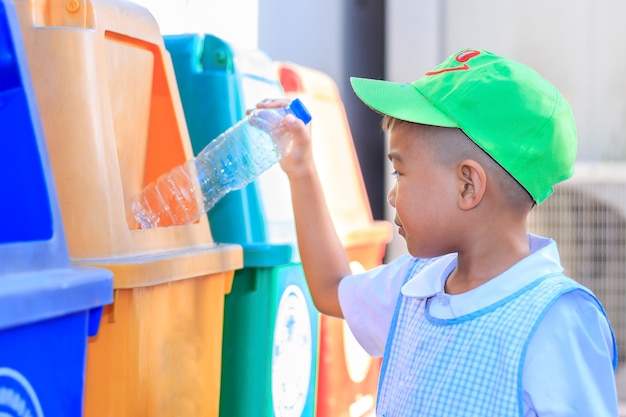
{"x":510,"y":111}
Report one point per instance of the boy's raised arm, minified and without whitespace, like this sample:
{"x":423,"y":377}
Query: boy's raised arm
{"x":323,"y":257}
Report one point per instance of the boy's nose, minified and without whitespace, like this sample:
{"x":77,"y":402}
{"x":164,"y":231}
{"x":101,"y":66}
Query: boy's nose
{"x":391,"y":197}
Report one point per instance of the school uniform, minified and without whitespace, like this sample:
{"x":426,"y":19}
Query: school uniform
{"x":529,"y":342}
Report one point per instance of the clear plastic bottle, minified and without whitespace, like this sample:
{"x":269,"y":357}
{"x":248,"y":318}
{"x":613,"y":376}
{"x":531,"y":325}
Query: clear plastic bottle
{"x":229,"y":162}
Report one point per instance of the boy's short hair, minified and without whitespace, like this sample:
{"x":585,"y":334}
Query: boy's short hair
{"x":458,"y":146}
{"x":506,"y":108}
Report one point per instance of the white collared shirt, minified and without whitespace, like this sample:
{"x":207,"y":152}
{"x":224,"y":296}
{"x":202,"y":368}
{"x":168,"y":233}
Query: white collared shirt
{"x":568,"y":369}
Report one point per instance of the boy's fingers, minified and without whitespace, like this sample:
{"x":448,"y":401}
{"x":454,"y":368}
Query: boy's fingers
{"x":273,"y":102}
{"x":270,"y":103}
{"x":295,"y":125}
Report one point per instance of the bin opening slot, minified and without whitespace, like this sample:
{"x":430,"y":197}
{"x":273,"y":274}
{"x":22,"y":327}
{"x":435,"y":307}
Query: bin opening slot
{"x":9,"y":70}
{"x":147,"y":132}
{"x":25,"y":212}
{"x":290,"y":81}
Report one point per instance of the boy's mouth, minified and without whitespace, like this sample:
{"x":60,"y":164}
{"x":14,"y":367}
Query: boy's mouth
{"x":400,"y":227}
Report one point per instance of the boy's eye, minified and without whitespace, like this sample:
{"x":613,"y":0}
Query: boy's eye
{"x":395,"y":174}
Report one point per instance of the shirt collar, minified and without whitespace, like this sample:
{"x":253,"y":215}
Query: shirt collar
{"x":430,"y":281}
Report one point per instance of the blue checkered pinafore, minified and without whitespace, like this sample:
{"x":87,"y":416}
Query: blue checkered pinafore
{"x":467,"y":366}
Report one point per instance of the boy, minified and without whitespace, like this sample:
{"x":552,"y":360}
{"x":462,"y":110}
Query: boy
{"x":478,"y":319}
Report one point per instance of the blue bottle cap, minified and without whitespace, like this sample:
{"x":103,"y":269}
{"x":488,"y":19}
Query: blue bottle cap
{"x":300,"y":110}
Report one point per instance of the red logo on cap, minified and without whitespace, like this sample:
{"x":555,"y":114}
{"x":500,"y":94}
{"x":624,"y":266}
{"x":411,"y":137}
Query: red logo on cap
{"x":462,"y":57}
{"x":466,"y":55}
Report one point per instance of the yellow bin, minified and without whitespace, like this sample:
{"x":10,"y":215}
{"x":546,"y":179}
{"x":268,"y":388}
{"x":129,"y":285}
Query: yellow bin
{"x":113,"y":122}
{"x":348,"y":376}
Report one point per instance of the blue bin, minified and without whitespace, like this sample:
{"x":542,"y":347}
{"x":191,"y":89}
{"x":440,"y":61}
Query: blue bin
{"x":270,"y":351}
{"x":48,"y":308}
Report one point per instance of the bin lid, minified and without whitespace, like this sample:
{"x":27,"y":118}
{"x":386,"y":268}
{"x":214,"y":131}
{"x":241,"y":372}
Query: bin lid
{"x":34,"y":296}
{"x":266,"y":255}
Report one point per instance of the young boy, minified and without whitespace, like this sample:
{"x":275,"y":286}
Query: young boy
{"x":479,"y":319}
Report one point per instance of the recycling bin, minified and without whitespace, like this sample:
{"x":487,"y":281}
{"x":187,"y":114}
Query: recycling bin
{"x":270,"y":348}
{"x":113,"y":121}
{"x":48,"y":307}
{"x":348,"y":376}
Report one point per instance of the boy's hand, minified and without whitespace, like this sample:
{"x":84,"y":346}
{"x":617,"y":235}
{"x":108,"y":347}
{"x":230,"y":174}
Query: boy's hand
{"x":299,"y":158}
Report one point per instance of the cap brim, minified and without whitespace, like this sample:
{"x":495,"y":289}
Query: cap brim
{"x":401,"y":101}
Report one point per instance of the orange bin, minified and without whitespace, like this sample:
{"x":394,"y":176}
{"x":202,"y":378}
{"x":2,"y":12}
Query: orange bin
{"x":113,"y":122}
{"x":348,"y":376}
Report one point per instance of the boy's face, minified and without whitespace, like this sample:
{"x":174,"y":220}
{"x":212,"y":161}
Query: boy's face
{"x":424,"y":193}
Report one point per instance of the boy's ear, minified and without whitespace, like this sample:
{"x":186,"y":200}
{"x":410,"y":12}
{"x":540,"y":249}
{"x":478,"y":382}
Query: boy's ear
{"x":472,"y":180}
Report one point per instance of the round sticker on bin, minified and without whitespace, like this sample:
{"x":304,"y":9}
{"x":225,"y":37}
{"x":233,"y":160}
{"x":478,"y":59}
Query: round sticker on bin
{"x":291,"y":358}
{"x":17,"y":396}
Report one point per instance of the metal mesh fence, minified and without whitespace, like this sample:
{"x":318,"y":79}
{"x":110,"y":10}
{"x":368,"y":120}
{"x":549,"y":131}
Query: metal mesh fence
{"x":586,"y":216}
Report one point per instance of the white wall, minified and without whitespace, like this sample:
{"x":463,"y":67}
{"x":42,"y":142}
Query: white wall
{"x":235,"y":21}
